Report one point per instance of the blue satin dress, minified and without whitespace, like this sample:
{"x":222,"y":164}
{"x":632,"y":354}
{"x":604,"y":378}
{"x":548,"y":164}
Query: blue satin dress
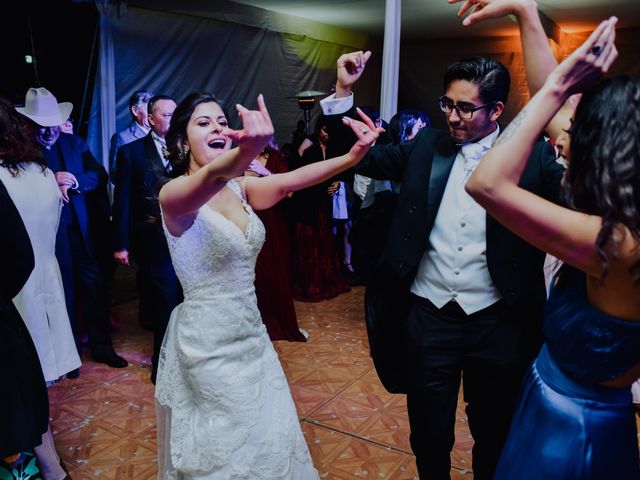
{"x":567,"y":426}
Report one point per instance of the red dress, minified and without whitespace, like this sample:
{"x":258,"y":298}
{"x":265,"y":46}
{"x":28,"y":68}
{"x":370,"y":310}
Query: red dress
{"x":274,"y":277}
{"x":316,"y":266}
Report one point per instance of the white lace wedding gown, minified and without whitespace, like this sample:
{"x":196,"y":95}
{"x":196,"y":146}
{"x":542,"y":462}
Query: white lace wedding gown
{"x":223,"y":403}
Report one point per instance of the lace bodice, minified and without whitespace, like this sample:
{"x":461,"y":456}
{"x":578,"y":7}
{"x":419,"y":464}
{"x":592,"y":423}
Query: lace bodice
{"x":214,"y":255}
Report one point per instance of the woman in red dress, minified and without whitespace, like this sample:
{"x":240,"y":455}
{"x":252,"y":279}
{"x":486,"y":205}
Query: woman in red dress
{"x":274,"y":269}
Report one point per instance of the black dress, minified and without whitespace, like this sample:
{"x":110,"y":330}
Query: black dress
{"x":316,"y":267}
{"x":24,"y":404}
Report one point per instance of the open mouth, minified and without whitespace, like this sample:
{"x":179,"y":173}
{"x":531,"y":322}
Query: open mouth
{"x":218,"y":143}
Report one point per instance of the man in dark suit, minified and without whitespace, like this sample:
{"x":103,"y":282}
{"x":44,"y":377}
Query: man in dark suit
{"x":141,"y":168}
{"x":455,"y":294}
{"x":83,"y":182}
{"x":138,"y":128}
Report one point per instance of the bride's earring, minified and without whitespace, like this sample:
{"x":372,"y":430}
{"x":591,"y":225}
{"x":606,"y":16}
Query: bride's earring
{"x":183,"y":152}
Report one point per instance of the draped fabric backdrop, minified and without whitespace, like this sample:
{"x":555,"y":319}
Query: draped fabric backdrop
{"x":237,"y":52}
{"x":424,"y":61}
{"x":175,"y":54}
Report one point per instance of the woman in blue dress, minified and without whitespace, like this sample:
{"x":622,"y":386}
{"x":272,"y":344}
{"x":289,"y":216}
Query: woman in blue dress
{"x":575,"y":417}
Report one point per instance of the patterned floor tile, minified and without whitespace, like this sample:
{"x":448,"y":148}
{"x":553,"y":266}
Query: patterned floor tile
{"x":104,"y":421}
{"x":363,"y":459}
{"x":308,"y":401}
{"x":343,"y":415}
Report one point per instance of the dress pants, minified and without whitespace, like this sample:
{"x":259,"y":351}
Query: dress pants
{"x":159,"y":293}
{"x":83,"y":279}
{"x":490,"y":351}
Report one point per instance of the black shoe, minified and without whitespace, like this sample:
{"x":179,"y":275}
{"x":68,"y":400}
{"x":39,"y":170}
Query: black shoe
{"x":73,"y":374}
{"x":110,"y":358}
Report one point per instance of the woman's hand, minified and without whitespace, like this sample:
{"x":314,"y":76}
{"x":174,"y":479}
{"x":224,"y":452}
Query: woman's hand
{"x":365,"y":130}
{"x":485,"y":9}
{"x":588,"y":63}
{"x":256,"y":131}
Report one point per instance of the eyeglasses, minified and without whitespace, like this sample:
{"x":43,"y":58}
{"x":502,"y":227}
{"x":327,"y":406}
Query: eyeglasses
{"x":465,"y":110}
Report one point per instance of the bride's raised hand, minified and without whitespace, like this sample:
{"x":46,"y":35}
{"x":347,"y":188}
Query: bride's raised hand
{"x":256,"y":131}
{"x":588,"y":63}
{"x":479,"y":10}
{"x":365,"y":130}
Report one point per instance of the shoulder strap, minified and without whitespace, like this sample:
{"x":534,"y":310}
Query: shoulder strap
{"x":238,"y":187}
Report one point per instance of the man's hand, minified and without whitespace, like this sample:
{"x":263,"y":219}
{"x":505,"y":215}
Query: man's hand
{"x":64,"y":190}
{"x":65,"y":178}
{"x":350,"y":68}
{"x":65,"y":181}
{"x":484,"y":9}
{"x":122,"y":257}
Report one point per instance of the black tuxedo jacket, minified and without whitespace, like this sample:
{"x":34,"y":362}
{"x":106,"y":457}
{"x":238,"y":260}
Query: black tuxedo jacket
{"x":136,"y":211}
{"x":89,"y":203}
{"x":423,"y":166}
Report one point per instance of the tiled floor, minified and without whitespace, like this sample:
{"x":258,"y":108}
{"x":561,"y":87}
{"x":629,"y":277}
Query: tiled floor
{"x":104,"y":421}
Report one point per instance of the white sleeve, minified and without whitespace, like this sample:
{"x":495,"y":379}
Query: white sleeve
{"x":360,"y":185}
{"x":335,"y":106}
{"x":635,"y":390}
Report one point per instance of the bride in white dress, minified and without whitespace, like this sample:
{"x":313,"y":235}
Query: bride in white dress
{"x":224,"y":406}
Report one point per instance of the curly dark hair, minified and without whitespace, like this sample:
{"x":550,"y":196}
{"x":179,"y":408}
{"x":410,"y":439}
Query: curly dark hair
{"x":17,"y":141}
{"x":603,"y":177}
{"x":177,"y":134}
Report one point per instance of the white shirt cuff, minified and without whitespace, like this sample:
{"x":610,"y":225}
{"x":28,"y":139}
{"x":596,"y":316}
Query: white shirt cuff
{"x":335,"y":106}
{"x":360,"y":185}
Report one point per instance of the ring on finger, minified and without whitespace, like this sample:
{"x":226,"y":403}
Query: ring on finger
{"x":596,"y":50}
{"x":364,"y":131}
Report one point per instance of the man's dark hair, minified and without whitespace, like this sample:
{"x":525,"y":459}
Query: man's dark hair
{"x":141,"y":96}
{"x":491,"y":77}
{"x":154,"y":100}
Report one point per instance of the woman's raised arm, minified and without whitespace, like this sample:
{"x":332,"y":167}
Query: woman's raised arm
{"x":181,"y":198}
{"x":566,"y":234}
{"x":264,"y":192}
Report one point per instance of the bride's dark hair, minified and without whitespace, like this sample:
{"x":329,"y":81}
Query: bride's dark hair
{"x":603,"y":177}
{"x":177,"y":134}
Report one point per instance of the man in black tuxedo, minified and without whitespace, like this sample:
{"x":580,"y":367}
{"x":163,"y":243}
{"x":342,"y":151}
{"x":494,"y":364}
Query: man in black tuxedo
{"x":455,"y":294}
{"x":83,"y":182}
{"x":141,"y":167}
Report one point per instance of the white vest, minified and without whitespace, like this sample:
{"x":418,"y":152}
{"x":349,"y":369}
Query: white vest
{"x":455,"y":267}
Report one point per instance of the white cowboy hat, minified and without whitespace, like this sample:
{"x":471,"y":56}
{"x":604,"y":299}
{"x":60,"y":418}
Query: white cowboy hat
{"x":43,"y":108}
